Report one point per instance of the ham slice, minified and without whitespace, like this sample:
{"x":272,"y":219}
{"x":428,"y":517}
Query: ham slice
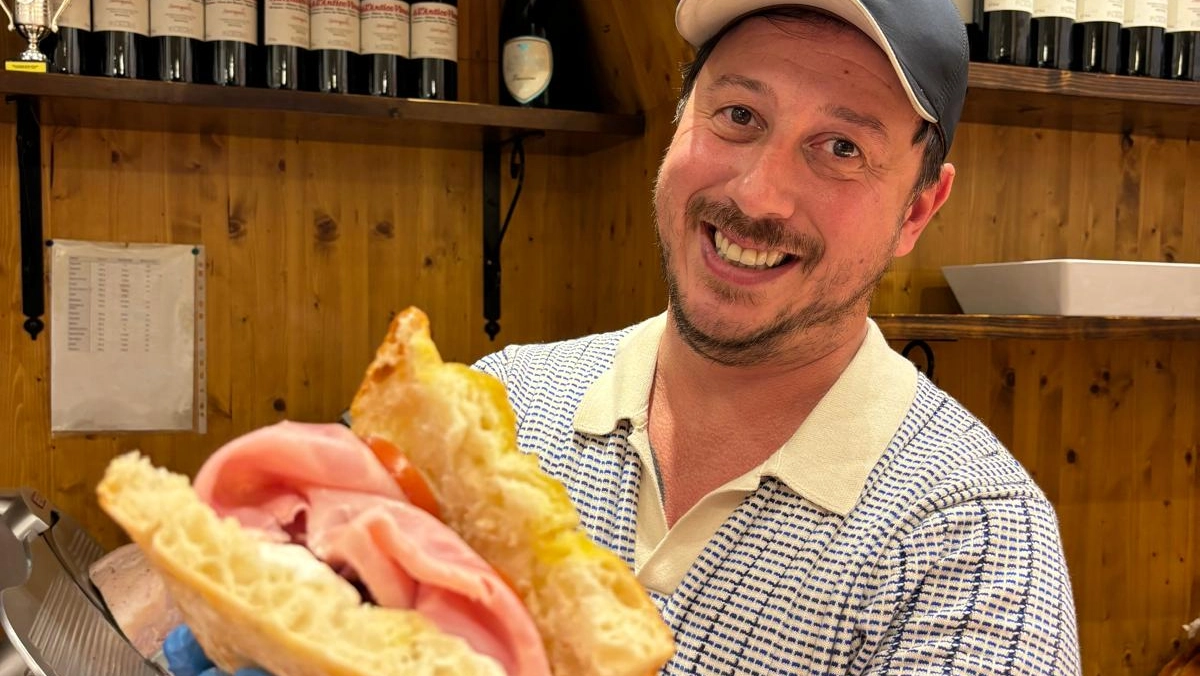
{"x":321,"y":485}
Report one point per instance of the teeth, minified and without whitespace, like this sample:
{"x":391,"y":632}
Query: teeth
{"x":750,"y":258}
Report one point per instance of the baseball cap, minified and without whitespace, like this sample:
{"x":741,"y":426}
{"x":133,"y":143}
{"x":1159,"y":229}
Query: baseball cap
{"x":925,"y":40}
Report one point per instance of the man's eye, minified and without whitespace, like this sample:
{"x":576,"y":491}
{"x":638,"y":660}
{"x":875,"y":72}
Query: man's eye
{"x":740,"y":115}
{"x":840,"y":147}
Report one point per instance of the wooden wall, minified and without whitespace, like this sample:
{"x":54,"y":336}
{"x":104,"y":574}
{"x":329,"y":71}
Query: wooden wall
{"x":312,"y":246}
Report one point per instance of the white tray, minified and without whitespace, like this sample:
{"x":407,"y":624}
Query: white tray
{"x":1077,"y":287}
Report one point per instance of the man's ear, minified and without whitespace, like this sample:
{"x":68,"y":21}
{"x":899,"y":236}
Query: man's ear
{"x":922,"y":210}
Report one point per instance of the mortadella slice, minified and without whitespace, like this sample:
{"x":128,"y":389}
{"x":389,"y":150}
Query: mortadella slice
{"x":324,"y":481}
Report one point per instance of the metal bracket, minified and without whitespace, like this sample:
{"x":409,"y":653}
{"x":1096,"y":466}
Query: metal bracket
{"x":493,"y":229}
{"x":924,"y":348}
{"x":29,"y":180}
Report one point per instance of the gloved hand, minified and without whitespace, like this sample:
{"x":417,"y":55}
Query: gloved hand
{"x":187,"y":658}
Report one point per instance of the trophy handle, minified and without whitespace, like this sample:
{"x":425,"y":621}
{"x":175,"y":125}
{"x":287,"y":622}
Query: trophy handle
{"x":12,"y":25}
{"x":58,"y":12}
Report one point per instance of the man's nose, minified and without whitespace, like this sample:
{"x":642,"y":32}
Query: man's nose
{"x":764,"y":185}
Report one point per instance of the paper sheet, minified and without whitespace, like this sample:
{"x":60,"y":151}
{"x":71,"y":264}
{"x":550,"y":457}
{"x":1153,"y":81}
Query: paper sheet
{"x":123,"y":336}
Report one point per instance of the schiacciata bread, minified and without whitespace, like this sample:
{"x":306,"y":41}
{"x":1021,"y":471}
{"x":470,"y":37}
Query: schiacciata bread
{"x":456,"y":426}
{"x":423,"y":542}
{"x":256,"y":603}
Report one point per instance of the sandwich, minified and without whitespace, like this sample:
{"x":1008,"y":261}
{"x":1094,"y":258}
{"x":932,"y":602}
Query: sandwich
{"x":419,"y":541}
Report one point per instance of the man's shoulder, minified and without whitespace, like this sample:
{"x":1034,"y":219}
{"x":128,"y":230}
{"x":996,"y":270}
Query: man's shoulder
{"x":946,"y":454}
{"x":578,"y":361}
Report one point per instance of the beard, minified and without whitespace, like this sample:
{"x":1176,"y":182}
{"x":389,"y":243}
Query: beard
{"x":728,"y":344}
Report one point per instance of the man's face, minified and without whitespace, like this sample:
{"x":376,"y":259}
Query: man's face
{"x":794,"y":149}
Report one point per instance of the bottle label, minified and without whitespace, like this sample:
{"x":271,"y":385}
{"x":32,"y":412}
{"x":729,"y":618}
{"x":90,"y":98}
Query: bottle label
{"x":1012,"y":5}
{"x":234,"y":20}
{"x":179,"y":18}
{"x":1112,"y":11}
{"x":385,"y":27}
{"x":132,"y":16}
{"x":966,"y":9}
{"x":528,"y":64}
{"x":335,"y":25}
{"x":1145,"y":13}
{"x":1182,"y":15}
{"x":78,"y":14}
{"x":285,"y":22}
{"x":1061,"y":8}
{"x":434,"y":31}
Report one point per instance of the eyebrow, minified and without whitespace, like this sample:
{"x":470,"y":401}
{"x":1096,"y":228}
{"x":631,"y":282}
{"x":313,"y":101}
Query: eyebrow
{"x":868,"y":123}
{"x":742,"y":82}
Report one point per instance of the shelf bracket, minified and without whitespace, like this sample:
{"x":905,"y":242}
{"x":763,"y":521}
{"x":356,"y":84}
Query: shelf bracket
{"x":493,"y":229}
{"x":29,"y":182}
{"x":926,"y":350}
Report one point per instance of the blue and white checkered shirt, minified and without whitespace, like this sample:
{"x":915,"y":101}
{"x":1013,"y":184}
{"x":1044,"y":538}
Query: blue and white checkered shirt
{"x":946,"y":559}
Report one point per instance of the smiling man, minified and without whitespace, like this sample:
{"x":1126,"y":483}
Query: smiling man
{"x":795,"y":495}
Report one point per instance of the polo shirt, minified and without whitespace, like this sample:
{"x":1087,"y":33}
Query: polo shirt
{"x":892,"y":534}
{"x":827,"y":460}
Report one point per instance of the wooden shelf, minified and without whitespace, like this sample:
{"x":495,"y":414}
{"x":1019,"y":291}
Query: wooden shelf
{"x":142,"y":104}
{"x":1036,"y":327}
{"x":1058,"y":99}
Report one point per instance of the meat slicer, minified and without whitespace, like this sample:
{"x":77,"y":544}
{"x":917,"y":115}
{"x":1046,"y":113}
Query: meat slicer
{"x":55,"y":621}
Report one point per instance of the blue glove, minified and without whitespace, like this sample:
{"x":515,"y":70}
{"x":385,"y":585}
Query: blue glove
{"x":187,"y":658}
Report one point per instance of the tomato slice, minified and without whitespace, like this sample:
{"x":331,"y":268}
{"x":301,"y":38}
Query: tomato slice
{"x":405,"y":475}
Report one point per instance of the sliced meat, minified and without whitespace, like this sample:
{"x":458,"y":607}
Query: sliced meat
{"x":403,"y":556}
{"x":136,"y":598}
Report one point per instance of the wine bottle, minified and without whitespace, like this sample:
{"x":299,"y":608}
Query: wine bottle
{"x":526,"y":55}
{"x":435,"y":50}
{"x":285,"y":41}
{"x":971,"y":12}
{"x":1009,"y":24}
{"x":231,"y":31}
{"x":122,"y":29}
{"x":1183,"y":39}
{"x":1142,"y":36}
{"x":1053,"y":21}
{"x":177,"y":30}
{"x":73,"y":41}
{"x":335,"y":40}
{"x":1097,"y":35}
{"x":385,"y":33}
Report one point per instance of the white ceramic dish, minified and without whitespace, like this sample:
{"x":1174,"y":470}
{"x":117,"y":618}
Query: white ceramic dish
{"x":1077,"y":287}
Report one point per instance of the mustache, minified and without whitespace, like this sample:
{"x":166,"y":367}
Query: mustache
{"x":766,"y":233}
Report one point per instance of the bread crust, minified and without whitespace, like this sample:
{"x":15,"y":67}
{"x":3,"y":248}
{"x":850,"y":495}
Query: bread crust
{"x":457,"y":428}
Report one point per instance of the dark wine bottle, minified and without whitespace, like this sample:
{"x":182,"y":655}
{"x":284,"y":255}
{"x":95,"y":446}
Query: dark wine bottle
{"x":971,"y":12}
{"x":177,"y":31}
{"x":1183,"y":40}
{"x":72,"y":43}
{"x":1009,"y":24}
{"x":1097,"y":35}
{"x":385,"y":33}
{"x":231,"y":31}
{"x":1142,"y":37}
{"x":526,"y":55}
{"x":122,"y":29}
{"x":285,"y":30}
{"x":1053,"y":21}
{"x":335,"y":26}
{"x":435,"y":50}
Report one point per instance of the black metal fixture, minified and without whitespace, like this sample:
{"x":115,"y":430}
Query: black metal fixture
{"x":493,"y":229}
{"x":29,"y":181}
{"x":924,"y":348}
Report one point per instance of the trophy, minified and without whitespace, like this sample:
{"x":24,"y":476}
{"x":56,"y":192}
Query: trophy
{"x":32,"y":20}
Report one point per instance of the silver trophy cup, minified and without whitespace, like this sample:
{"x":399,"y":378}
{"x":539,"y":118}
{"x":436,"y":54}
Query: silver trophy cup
{"x":33,"y":20}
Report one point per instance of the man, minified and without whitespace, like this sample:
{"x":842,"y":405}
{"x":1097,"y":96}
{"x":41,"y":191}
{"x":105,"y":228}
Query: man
{"x":794,"y":495}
